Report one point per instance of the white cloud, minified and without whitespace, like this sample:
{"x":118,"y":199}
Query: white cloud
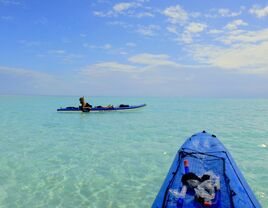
{"x":215,"y":31}
{"x":190,"y":31}
{"x":195,"y":14}
{"x":106,"y":46}
{"x":245,"y":37}
{"x":120,"y":7}
{"x":228,"y":13}
{"x":100,"y":68}
{"x":185,"y":38}
{"x":109,"y":49}
{"x":172,"y":29}
{"x":152,"y":59}
{"x":195,"y":27}
{"x":139,"y":63}
{"x":245,"y":51}
{"x":235,"y":24}
{"x":149,"y":30}
{"x":259,"y":12}
{"x":223,"y":12}
{"x":104,"y":14}
{"x":246,"y":58}
{"x":127,"y":9}
{"x":176,"y":14}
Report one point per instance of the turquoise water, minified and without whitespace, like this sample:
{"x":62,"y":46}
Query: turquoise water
{"x":118,"y":159}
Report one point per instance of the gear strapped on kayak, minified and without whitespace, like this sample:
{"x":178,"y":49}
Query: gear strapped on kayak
{"x":204,"y":174}
{"x":203,"y":187}
{"x":108,"y":108}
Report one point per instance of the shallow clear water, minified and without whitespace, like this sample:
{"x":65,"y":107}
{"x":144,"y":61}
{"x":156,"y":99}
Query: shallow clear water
{"x":118,"y":159}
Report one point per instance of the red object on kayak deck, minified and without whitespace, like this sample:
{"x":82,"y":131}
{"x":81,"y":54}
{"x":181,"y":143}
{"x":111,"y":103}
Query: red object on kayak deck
{"x":186,"y":163}
{"x":186,"y":166}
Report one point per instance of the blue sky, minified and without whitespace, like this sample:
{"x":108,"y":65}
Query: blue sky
{"x":184,"y":48}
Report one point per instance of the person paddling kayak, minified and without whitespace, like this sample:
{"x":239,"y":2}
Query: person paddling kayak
{"x":86,"y":107}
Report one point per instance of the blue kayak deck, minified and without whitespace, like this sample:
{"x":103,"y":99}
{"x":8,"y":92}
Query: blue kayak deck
{"x":206,"y":153}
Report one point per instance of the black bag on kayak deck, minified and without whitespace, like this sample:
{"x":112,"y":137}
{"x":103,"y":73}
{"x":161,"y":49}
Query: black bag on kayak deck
{"x":123,"y":106}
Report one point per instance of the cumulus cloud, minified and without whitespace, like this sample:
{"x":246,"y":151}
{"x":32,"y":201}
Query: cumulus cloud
{"x":172,"y":29}
{"x":259,"y":12}
{"x":246,"y":53}
{"x":128,"y":9}
{"x":223,"y":12}
{"x":245,"y":37}
{"x":235,"y":24}
{"x":243,"y":51}
{"x":176,"y":14}
{"x":195,"y":27}
{"x":139,"y":63}
{"x":228,"y":13}
{"x":190,"y":31}
{"x":186,"y":38}
{"x":246,"y":58}
{"x":120,"y":7}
